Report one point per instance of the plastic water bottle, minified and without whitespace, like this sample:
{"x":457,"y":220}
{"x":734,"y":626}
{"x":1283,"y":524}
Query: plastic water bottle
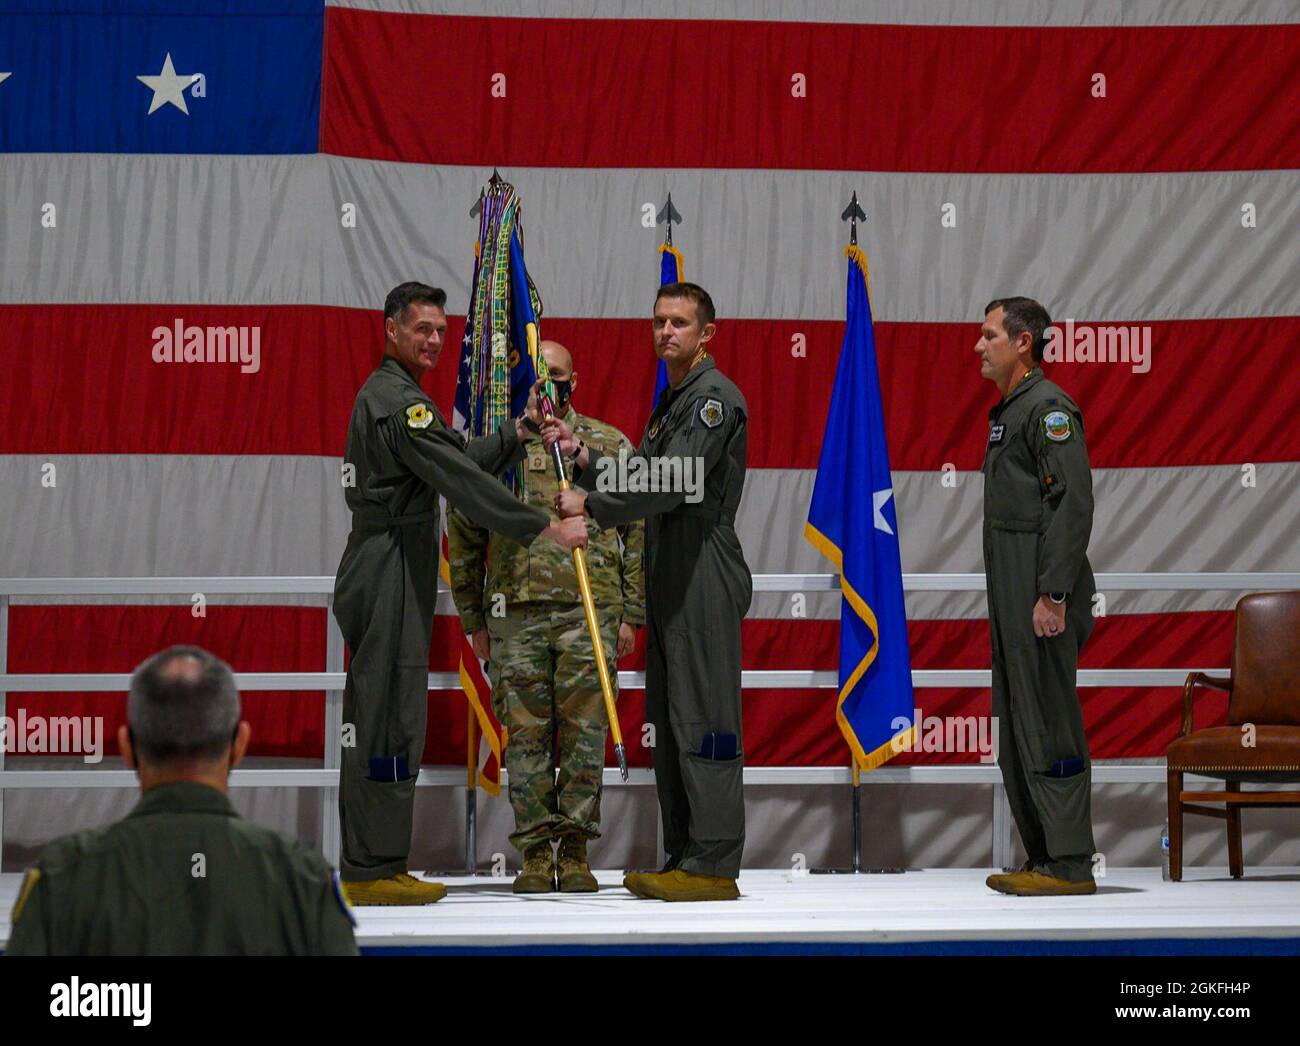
{"x":1164,"y":852}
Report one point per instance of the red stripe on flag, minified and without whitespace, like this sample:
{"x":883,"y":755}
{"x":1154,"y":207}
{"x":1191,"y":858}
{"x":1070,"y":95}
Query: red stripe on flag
{"x":642,"y":93}
{"x":1196,"y":406}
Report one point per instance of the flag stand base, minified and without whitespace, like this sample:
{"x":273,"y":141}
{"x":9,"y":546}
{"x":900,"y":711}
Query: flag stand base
{"x":856,"y":871}
{"x":857,"y":868}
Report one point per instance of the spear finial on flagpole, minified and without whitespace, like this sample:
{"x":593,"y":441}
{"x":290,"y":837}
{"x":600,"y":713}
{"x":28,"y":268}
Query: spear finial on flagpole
{"x":494,"y":181}
{"x":853,"y":214}
{"x":667,"y":216}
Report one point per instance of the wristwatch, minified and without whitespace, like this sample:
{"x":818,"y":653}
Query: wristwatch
{"x":1057,"y":597}
{"x":581,"y":447}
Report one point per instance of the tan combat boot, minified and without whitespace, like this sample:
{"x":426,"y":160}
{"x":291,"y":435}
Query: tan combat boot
{"x":1038,"y":884}
{"x":538,"y":875}
{"x":679,"y":885}
{"x":397,"y":889}
{"x":575,"y":873}
{"x":997,"y":881}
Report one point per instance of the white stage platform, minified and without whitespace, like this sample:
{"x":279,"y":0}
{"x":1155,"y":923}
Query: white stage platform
{"x":928,"y":911}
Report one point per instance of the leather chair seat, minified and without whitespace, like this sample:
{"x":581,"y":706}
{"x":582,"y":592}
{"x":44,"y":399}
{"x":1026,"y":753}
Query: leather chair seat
{"x":1218,"y":752}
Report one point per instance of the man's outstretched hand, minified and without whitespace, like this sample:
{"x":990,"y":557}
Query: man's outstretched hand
{"x":570,"y":504}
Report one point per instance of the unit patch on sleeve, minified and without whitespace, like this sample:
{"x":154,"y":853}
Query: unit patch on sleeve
{"x":1057,"y":427}
{"x":418,"y":416}
{"x":711,"y":413}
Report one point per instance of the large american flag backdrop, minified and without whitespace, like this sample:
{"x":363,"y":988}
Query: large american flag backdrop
{"x":276,"y":167}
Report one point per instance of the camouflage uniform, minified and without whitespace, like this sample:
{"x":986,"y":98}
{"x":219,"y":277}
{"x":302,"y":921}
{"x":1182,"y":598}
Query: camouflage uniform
{"x":545,"y":688}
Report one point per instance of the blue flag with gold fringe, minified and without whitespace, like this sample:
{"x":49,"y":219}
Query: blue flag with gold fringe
{"x":670,"y":271}
{"x":852,"y":522}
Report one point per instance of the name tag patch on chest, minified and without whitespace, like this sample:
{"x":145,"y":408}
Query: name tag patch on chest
{"x":1057,"y":427}
{"x":996,"y":433}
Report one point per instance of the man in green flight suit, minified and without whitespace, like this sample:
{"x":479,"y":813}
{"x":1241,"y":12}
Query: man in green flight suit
{"x":1037,"y":521}
{"x":698,"y":589}
{"x":523,"y":609}
{"x":183,"y":874}
{"x":400,"y":457}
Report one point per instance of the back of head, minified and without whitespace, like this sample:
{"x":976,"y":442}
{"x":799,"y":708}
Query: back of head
{"x":183,"y":707}
{"x":183,"y":874}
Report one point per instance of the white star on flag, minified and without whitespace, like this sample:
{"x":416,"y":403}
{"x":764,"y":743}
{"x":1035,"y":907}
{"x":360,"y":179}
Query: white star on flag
{"x":168,"y":87}
{"x":878,"y":499}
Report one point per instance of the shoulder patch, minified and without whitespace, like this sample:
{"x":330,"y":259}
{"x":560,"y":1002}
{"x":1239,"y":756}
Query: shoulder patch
{"x":30,"y":880}
{"x":712,"y":413}
{"x":342,"y":897}
{"x":1057,"y":426}
{"x":418,"y":416}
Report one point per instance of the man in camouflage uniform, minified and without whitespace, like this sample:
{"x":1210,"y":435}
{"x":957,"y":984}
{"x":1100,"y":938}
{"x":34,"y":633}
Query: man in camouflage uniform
{"x":523,"y":609}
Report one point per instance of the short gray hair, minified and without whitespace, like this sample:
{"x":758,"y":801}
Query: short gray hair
{"x":183,"y":704}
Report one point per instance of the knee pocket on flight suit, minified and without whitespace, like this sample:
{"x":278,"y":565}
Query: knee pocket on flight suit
{"x":715,"y":790}
{"x":1065,"y":809}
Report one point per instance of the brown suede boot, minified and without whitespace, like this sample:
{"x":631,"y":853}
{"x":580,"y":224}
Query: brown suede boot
{"x":679,"y":885}
{"x":401,"y":888}
{"x":538,"y":875}
{"x":1038,"y":884}
{"x":575,"y":873}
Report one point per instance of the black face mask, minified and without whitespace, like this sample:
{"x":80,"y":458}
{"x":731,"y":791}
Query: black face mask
{"x":563,"y":390}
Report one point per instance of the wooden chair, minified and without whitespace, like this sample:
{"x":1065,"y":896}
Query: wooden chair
{"x":1261,"y":743}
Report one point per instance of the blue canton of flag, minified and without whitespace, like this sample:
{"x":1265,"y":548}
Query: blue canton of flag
{"x":160,"y":76}
{"x":851,"y":521}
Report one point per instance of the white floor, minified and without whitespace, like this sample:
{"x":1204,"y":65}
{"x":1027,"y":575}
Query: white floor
{"x":778,"y":906}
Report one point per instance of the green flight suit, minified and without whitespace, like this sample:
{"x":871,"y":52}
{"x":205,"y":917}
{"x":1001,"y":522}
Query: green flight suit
{"x":182,"y":874}
{"x":1037,"y":521}
{"x":545,"y":687}
{"x":404,"y":457}
{"x":698,"y":589}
